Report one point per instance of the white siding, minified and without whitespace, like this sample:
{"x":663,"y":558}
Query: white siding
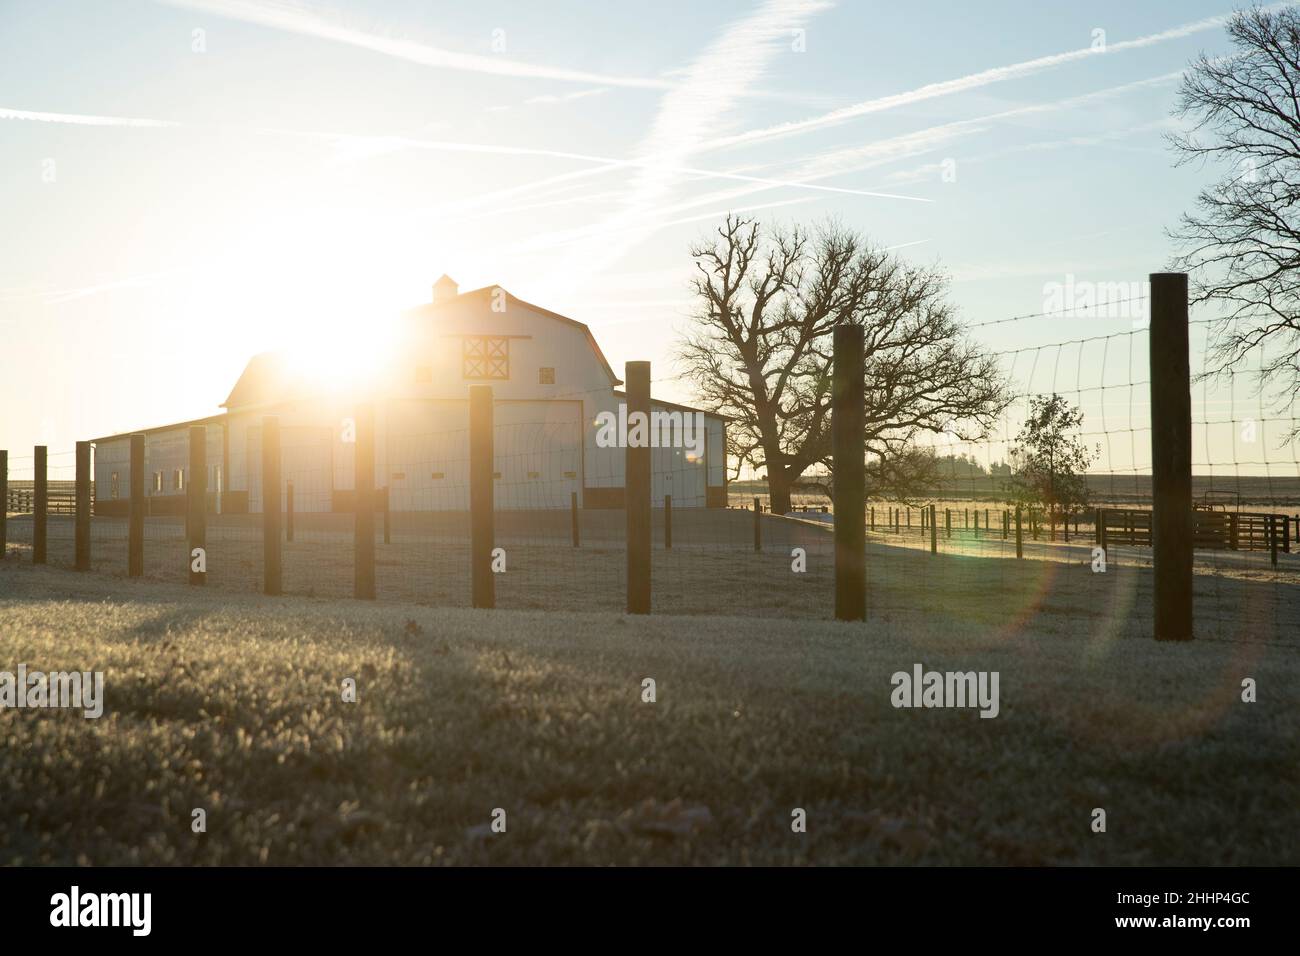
{"x":537,"y":451}
{"x":165,"y":450}
{"x":427,"y":445}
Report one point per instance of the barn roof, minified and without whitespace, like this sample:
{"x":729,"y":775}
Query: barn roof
{"x":488,"y":290}
{"x":267,"y":378}
{"x":679,"y":407}
{"x":161,"y":428}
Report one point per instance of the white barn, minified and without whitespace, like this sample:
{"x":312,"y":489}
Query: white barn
{"x":550,"y":382}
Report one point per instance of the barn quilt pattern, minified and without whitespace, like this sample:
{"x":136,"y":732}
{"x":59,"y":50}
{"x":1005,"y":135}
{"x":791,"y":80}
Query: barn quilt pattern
{"x":485,"y":357}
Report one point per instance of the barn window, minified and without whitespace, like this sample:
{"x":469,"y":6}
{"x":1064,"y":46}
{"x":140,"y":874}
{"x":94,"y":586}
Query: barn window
{"x":546,"y":376}
{"x":113,"y":485}
{"x":423,"y":374}
{"x":178,"y":479}
{"x":157,"y":481}
{"x":485,"y":357}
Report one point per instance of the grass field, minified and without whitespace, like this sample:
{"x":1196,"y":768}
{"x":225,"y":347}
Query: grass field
{"x":230,"y":702}
{"x":427,"y":561}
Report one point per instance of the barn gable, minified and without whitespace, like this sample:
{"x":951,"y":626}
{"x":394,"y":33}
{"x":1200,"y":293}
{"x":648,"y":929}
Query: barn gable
{"x":492,"y":313}
{"x":485,"y":336}
{"x":266,"y":380}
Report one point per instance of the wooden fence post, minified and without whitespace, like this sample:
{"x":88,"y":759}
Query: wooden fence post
{"x":288,"y":511}
{"x":1020,"y":549}
{"x":1272,"y":540}
{"x":363,"y":483}
{"x":934,"y":533}
{"x":81,"y":534}
{"x":1171,"y":457}
{"x":848,"y":448}
{"x":977,"y":522}
{"x":873,"y":517}
{"x":668,"y":522}
{"x":482,"y":507}
{"x":573,"y":515}
{"x":271,"y":568}
{"x":637,"y":492}
{"x":4,"y":502}
{"x":898,"y":512}
{"x":40,"y":506}
{"x":196,"y":490}
{"x":135,"y":519}
{"x":758,"y":528}
{"x":363,"y":547}
{"x":388,"y":521}
{"x":947,"y":522}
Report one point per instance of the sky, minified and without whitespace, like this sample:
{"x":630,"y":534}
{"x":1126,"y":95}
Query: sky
{"x":187,"y":183}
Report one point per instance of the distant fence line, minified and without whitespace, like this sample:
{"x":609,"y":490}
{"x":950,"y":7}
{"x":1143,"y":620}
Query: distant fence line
{"x":1212,"y":530}
{"x":22,"y":500}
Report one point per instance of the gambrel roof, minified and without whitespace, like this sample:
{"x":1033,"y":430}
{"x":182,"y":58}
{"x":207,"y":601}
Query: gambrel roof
{"x":473,"y":297}
{"x":268,"y":378}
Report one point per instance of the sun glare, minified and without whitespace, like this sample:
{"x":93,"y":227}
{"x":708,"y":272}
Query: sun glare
{"x":341,"y":363}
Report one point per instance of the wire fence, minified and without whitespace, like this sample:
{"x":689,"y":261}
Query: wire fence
{"x":1245,"y":495}
{"x":560,"y":522}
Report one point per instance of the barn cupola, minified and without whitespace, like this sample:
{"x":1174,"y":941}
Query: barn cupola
{"x":445,"y":289}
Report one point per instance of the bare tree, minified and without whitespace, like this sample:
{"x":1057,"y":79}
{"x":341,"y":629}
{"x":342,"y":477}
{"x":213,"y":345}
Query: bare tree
{"x":1242,"y":243}
{"x":907,"y":475}
{"x":761,"y":349}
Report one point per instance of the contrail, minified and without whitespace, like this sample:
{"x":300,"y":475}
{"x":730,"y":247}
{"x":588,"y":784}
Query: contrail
{"x":297,"y":18}
{"x":962,"y":84}
{"x":856,"y":158}
{"x":711,"y":86}
{"x":929,"y":91}
{"x":83,"y":120}
{"x":609,"y":229}
{"x":452,"y":147}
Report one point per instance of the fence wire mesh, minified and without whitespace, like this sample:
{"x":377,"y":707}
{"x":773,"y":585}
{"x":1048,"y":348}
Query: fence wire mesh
{"x":1089,"y":551}
{"x":1081,"y":550}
